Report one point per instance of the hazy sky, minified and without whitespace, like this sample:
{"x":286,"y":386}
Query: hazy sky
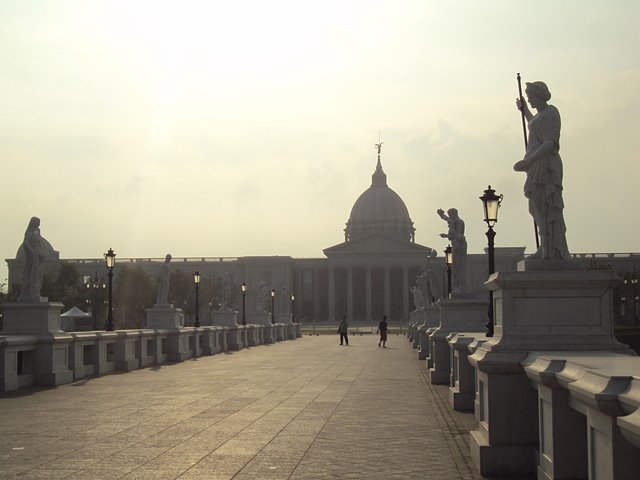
{"x":209,"y":128}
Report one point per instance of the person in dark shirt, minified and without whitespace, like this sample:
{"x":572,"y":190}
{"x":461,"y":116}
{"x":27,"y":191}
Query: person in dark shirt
{"x":343,"y":330}
{"x":382,"y":330}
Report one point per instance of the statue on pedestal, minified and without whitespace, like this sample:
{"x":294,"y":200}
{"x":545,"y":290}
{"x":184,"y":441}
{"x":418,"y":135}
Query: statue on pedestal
{"x":163,"y":283}
{"x":418,"y":298}
{"x":261,"y":298}
{"x":225,"y":295}
{"x":433,"y":284}
{"x":459,"y":246}
{"x":543,"y":166}
{"x":34,"y":259}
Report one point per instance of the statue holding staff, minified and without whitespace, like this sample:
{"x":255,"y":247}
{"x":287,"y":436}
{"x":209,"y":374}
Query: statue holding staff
{"x":543,"y":166}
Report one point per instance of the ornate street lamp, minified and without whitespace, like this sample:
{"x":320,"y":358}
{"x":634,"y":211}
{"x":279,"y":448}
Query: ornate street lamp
{"x":293,"y":304}
{"x":448,"y":258}
{"x":273,"y":304}
{"x":634,"y":284}
{"x":243,"y":286}
{"x":196,"y":280}
{"x":491,"y":203}
{"x":110,"y":258}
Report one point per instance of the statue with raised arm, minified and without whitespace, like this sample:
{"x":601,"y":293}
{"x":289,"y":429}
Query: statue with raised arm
{"x":543,"y":166}
{"x":163,"y":282}
{"x":458,"y":241}
{"x":34,"y":260}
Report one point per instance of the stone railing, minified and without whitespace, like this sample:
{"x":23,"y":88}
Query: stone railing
{"x":56,"y":358}
{"x":554,"y":393}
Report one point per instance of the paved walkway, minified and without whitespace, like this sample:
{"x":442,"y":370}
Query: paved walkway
{"x":303,"y":409}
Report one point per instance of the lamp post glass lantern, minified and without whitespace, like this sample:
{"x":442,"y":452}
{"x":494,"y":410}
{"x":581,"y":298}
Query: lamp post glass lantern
{"x":491,"y":204}
{"x":243,"y":287}
{"x":110,"y":258}
{"x":196,"y":281}
{"x":273,"y":303}
{"x":448,"y":258}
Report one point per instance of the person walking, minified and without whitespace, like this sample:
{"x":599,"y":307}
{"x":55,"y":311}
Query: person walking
{"x":382,"y":330}
{"x":342,"y":330}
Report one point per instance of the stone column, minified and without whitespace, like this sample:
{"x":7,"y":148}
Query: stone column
{"x":316,"y":295}
{"x":387,"y":292}
{"x":405,"y":294}
{"x":332,"y":294}
{"x":368,"y":293}
{"x":350,"y":292}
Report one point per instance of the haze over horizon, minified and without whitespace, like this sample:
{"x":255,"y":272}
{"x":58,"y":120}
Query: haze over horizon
{"x":248,"y":128}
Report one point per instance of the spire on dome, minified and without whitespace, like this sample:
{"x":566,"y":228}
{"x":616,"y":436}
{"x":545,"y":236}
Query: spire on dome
{"x":379,"y":178}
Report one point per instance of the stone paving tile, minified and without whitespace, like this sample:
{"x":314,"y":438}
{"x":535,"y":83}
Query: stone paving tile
{"x":293,"y":411}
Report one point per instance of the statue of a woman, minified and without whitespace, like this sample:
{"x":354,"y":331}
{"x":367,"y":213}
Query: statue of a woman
{"x":163,"y":282}
{"x":543,"y":165}
{"x":34,"y":258}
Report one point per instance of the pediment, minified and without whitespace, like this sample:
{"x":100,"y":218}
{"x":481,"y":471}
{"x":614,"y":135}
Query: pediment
{"x":375,"y":244}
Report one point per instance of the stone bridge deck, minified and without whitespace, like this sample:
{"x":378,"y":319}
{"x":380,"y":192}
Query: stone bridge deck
{"x":303,"y":409}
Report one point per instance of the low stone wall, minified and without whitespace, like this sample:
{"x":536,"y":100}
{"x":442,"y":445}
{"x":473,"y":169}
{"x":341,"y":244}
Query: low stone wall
{"x":56,"y":358}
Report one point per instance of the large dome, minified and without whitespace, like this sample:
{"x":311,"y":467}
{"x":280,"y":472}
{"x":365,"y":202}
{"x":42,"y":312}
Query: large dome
{"x":379,"y":210}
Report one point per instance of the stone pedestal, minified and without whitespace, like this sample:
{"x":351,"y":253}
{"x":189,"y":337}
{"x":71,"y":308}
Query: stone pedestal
{"x":285,"y":318}
{"x":462,"y":390}
{"x":31,"y":318}
{"x":163,"y":317}
{"x":225,"y":318}
{"x":537,"y":310}
{"x":261,"y":318}
{"x":456,"y":315}
{"x":431,"y":322}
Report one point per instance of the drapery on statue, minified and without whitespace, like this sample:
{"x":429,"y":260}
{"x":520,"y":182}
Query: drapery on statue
{"x":433,"y":284}
{"x":34,"y":259}
{"x":418,"y":298}
{"x":459,"y":246}
{"x":226,"y":293}
{"x":163,"y":282}
{"x":543,"y":166}
{"x":261,"y":298}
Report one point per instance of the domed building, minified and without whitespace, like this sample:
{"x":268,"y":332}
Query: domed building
{"x":371,"y":272}
{"x":379,"y":210}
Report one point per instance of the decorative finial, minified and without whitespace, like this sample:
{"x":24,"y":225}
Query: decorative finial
{"x":378,"y":146}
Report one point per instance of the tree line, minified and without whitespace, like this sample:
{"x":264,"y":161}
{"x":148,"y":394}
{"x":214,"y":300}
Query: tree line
{"x":134,"y":290}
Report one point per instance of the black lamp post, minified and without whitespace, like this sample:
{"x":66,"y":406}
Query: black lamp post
{"x":491,"y":203}
{"x":110,"y":258}
{"x":196,"y":280}
{"x":243,"y":286}
{"x":293,"y":304}
{"x":448,"y":258}
{"x":634,"y":284}
{"x":273,"y":304}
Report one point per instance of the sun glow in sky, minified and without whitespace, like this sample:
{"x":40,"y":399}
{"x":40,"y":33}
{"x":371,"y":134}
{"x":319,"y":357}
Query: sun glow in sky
{"x":206,"y":128}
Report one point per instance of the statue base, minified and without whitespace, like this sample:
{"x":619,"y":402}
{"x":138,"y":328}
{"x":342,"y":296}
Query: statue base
{"x":261,"y":318}
{"x":31,"y":318}
{"x":286,"y":318}
{"x":224,"y":318}
{"x":161,"y":316}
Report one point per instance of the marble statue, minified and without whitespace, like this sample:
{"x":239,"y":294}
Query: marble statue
{"x":459,"y":247}
{"x":543,"y":166}
{"x":163,"y":282}
{"x":422,"y":282}
{"x":418,"y":298}
{"x":34,"y":259}
{"x":225,"y":296}
{"x":286,"y":298}
{"x":434,"y":293}
{"x":261,"y":298}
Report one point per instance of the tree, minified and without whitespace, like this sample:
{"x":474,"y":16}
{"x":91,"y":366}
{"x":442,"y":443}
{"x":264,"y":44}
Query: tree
{"x":66,"y":287}
{"x":134,"y":291}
